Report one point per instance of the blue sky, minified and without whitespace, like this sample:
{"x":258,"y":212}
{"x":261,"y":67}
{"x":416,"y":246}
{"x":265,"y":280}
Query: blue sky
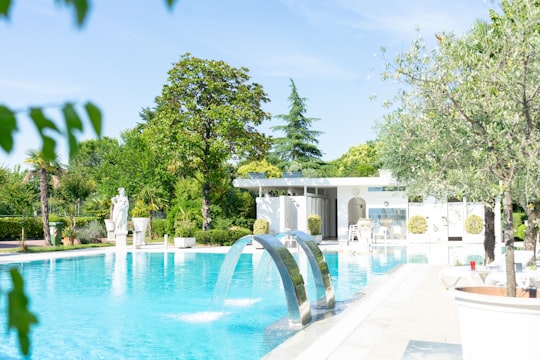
{"x":120,"y":59}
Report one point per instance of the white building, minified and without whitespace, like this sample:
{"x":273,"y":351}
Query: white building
{"x":287,"y":202}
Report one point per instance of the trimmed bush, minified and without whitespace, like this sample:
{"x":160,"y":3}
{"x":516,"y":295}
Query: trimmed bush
{"x":220,"y":237}
{"x":261,"y":226}
{"x":474,"y":224}
{"x":417,"y":225}
{"x":10,"y":228}
{"x":314,"y":224}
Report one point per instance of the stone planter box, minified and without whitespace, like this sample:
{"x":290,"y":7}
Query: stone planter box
{"x":184,"y":242}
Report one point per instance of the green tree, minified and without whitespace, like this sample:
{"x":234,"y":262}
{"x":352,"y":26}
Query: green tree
{"x":360,"y":160}
{"x":16,"y":197}
{"x":91,"y":155}
{"x":206,"y":115}
{"x":483,"y":89}
{"x":263,"y":166}
{"x":72,"y":191}
{"x":42,"y":167}
{"x":299,"y":141}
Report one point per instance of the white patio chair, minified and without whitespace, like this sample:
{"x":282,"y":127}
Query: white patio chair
{"x":381,"y":232}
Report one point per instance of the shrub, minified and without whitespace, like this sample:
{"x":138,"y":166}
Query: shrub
{"x":520,"y":232}
{"x":314,"y":224}
{"x":184,"y":229}
{"x":518,"y":218}
{"x":159,"y":227}
{"x":92,"y":232}
{"x":220,"y":237}
{"x":417,"y":225}
{"x":237,"y":234}
{"x":474,"y":224}
{"x":10,"y":228}
{"x":203,"y":237}
{"x":261,"y":226}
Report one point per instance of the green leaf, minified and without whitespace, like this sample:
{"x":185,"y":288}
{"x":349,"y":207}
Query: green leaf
{"x":5,"y":5}
{"x":80,"y":7}
{"x":43,"y":123}
{"x":94,"y":114}
{"x":19,"y":317}
{"x":73,"y":123}
{"x":8,"y":126}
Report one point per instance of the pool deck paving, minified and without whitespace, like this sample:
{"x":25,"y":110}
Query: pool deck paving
{"x":407,"y":314}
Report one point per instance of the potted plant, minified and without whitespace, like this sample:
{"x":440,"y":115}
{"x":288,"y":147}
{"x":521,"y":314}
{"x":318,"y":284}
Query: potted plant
{"x":260,"y":227}
{"x":139,"y":216}
{"x":70,"y":232}
{"x":184,"y":234}
{"x":474,"y":225}
{"x":314,"y":224}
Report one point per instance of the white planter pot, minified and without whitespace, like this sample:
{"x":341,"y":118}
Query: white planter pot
{"x":317,"y":238}
{"x":109,"y":225}
{"x":418,"y":238}
{"x":139,"y":230}
{"x":497,"y":326}
{"x":184,"y":242}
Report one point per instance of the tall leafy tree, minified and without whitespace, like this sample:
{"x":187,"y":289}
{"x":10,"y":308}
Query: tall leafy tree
{"x":482,"y":89}
{"x":72,"y":191}
{"x":360,"y":160}
{"x":16,"y":197}
{"x":42,"y":168}
{"x":207,"y":114}
{"x":299,"y":142}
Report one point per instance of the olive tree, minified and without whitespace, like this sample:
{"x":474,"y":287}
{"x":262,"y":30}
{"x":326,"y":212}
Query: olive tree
{"x":483,"y":89}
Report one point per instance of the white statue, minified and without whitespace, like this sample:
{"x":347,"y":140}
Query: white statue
{"x":120,"y":211}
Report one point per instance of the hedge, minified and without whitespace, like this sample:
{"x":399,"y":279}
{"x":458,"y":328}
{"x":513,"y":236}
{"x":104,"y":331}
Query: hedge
{"x":220,"y":237}
{"x":10,"y":228}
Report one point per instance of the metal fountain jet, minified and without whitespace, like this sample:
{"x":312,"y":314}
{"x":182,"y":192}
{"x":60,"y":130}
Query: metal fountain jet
{"x":295,"y":292}
{"x":321,"y":275}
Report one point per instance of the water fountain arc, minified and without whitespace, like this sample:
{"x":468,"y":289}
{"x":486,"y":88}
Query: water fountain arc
{"x":324,"y":290}
{"x":298,"y":305}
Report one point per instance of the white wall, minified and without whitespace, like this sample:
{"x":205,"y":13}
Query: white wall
{"x":268,"y":208}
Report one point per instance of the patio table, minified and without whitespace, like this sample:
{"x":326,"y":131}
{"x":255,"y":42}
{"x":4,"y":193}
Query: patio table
{"x":459,"y":276}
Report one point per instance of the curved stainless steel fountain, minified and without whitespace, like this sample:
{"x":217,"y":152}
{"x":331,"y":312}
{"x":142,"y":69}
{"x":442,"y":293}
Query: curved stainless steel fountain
{"x":293,"y":283}
{"x":321,"y":275}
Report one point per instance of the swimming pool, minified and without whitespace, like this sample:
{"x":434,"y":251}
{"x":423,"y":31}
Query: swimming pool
{"x":142,"y":305}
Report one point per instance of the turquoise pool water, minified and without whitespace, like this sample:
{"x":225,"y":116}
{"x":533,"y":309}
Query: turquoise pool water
{"x":146,"y":305}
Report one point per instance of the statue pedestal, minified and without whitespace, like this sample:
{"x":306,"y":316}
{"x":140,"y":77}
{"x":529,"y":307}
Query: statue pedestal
{"x":109,"y":225}
{"x":121,"y":240}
